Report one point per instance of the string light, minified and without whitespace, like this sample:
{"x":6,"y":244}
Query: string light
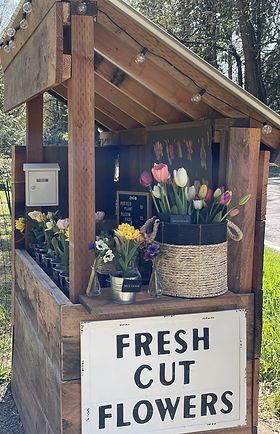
{"x":173,"y":66}
{"x":27,"y":7}
{"x":23,"y":25}
{"x":196,"y":98}
{"x":266,"y":129}
{"x":11,"y":32}
{"x":82,"y":8}
{"x":140,"y":58}
{"x":12,"y":43}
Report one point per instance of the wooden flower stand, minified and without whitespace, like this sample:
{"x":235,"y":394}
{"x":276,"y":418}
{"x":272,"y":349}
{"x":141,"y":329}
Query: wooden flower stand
{"x":87,"y":61}
{"x":47,"y":344}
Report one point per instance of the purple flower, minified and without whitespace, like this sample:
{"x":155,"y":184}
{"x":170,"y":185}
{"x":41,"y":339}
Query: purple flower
{"x":226,"y":198}
{"x":91,"y":246}
{"x":151,"y":252}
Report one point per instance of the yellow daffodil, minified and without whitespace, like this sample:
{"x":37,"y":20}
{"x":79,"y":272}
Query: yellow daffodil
{"x":127,"y":232}
{"x":20,"y":224}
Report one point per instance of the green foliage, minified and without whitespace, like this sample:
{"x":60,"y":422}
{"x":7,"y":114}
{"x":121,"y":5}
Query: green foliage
{"x":12,"y":131}
{"x":270,"y":373}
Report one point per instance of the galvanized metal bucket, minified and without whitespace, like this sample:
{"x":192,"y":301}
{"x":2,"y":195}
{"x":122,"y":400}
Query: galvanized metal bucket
{"x":118,"y":295}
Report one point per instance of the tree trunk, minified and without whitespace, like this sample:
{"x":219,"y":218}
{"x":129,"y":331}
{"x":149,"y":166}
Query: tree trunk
{"x":253,"y":76}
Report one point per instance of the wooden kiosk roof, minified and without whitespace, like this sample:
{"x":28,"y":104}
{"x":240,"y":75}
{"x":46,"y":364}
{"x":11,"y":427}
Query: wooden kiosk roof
{"x":128,"y":95}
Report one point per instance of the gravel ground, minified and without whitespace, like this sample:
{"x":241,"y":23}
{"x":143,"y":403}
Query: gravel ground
{"x":9,"y":418}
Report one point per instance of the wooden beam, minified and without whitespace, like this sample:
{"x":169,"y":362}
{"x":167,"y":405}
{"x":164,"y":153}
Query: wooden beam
{"x":108,"y":44}
{"x":242,"y":176}
{"x":115,"y":96}
{"x":106,"y":121}
{"x":167,"y":60}
{"x":143,"y":96}
{"x":40,"y":62}
{"x":138,"y":136}
{"x":115,"y":113}
{"x":81,"y":155}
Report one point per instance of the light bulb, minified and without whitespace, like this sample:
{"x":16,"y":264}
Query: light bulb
{"x":23,"y":24}
{"x":267,"y":129}
{"x":140,"y":58}
{"x":196,"y":98}
{"x":82,"y":8}
{"x":27,"y":7}
{"x":12,"y":44}
{"x":11,"y":32}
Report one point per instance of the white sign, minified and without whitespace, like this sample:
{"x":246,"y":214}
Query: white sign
{"x":173,"y":374}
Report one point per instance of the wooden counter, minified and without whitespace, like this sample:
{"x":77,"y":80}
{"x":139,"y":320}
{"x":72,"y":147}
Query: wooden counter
{"x":46,"y":361}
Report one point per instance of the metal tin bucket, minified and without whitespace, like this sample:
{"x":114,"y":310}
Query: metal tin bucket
{"x":119,"y":296}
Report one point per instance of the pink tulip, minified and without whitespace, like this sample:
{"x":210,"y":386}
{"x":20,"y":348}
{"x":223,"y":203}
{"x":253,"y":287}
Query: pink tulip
{"x":99,"y":216}
{"x":62,"y":224}
{"x":234,"y":213}
{"x":226,"y":198}
{"x":160,"y":172}
{"x":146,"y":179}
{"x":209,"y":194}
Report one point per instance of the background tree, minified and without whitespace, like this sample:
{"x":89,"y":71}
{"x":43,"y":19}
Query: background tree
{"x":239,"y":37}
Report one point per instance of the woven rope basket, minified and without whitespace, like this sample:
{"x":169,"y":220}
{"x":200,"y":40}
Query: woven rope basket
{"x":194,"y":271}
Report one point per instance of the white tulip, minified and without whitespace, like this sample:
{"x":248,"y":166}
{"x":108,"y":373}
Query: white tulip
{"x":198,"y":204}
{"x":181,"y":177}
{"x":190,"y":193}
{"x":156,"y":192}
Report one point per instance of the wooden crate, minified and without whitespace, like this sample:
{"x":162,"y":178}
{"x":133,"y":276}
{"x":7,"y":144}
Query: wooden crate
{"x":46,"y":361}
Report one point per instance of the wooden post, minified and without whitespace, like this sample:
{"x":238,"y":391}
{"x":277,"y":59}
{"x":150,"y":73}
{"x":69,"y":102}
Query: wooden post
{"x":34,"y":130}
{"x":34,"y":137}
{"x":81,"y":154}
{"x":258,"y":273}
{"x":242,"y":175}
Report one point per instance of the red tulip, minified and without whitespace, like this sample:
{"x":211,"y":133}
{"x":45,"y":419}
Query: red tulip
{"x":209,"y":194}
{"x":146,"y":179}
{"x":160,"y":172}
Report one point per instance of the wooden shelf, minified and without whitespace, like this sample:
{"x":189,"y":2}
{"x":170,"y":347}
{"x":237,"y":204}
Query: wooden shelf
{"x":103,"y":308}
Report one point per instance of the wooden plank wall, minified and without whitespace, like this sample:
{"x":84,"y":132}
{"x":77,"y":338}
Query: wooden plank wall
{"x":36,"y":354}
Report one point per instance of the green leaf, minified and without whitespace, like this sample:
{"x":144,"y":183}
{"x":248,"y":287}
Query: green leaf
{"x":218,"y":217}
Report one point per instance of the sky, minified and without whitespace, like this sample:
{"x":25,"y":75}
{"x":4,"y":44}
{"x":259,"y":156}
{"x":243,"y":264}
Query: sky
{"x":12,"y":5}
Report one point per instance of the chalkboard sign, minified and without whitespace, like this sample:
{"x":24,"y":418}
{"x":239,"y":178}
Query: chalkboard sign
{"x":133,"y":207}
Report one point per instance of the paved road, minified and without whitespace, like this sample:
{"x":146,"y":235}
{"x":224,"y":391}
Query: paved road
{"x":272,"y":233}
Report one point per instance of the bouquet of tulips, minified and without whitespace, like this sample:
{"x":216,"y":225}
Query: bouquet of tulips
{"x":175,"y":195}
